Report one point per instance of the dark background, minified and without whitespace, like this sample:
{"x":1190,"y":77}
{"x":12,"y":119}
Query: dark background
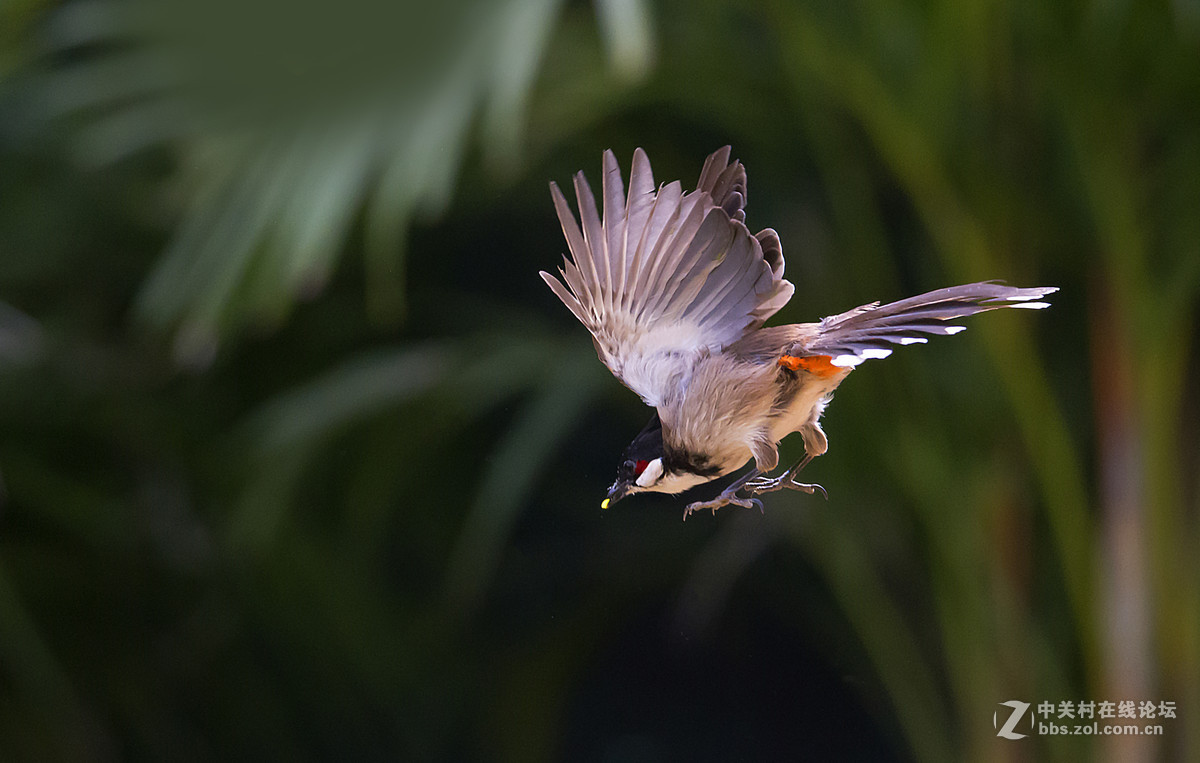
{"x":299,"y":459}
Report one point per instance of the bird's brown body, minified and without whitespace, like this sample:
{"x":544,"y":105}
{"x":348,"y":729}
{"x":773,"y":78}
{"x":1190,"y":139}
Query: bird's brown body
{"x":753,"y":398}
{"x":675,"y":289}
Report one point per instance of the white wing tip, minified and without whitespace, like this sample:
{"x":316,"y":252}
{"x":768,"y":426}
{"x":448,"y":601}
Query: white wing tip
{"x":952,"y":330}
{"x":1032,"y":305}
{"x":913,"y":340}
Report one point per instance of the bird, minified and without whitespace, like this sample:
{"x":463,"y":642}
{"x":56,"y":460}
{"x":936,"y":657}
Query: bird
{"x":675,"y":290}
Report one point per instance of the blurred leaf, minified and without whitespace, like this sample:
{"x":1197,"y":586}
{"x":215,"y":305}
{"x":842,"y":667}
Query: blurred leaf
{"x":626,"y":28}
{"x":518,"y":58}
{"x":358,"y":389}
{"x":276,"y":167}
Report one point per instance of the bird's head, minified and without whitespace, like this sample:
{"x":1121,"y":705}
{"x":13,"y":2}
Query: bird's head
{"x":646,"y":467}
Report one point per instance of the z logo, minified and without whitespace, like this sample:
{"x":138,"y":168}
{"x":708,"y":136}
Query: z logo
{"x":1018,"y":710}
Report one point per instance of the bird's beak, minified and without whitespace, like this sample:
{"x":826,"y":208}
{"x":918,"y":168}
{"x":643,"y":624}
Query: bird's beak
{"x":615,"y":493}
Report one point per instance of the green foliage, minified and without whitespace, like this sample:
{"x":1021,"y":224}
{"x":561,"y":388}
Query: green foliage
{"x":298,"y":458}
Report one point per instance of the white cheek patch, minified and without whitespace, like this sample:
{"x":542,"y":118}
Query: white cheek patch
{"x":650,"y":474}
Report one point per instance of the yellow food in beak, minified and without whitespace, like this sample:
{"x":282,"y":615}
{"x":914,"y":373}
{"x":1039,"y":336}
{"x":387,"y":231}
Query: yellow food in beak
{"x":604,"y":504}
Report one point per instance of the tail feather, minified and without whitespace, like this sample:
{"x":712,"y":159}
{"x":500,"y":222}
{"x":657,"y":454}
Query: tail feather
{"x":869,"y":331}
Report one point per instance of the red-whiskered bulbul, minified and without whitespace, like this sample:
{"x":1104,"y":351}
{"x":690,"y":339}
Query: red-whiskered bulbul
{"x":675,"y":290}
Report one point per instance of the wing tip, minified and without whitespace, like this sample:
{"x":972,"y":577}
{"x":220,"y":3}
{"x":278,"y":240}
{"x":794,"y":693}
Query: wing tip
{"x":609,"y":161}
{"x":714,"y":165}
{"x":641,"y":177}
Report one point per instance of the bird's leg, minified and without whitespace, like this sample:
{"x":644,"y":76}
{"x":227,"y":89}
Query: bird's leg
{"x":727,"y":496}
{"x":785,"y":480}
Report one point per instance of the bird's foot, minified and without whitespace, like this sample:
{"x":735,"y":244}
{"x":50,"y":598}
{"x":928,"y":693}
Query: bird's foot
{"x":726,"y":498}
{"x":787,"y":480}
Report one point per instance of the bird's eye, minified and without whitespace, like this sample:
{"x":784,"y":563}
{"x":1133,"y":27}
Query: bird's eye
{"x":639,"y":467}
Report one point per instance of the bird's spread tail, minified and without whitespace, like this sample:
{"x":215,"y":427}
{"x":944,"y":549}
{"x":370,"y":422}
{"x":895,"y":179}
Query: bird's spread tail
{"x":870,"y":331}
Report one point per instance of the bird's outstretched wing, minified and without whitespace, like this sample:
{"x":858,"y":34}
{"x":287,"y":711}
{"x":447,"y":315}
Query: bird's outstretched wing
{"x":871,"y":330}
{"x":665,"y":275}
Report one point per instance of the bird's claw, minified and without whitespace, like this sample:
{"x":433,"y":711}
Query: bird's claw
{"x":810,"y":488}
{"x":757,"y":485}
{"x":723,"y":499}
{"x":788,"y":481}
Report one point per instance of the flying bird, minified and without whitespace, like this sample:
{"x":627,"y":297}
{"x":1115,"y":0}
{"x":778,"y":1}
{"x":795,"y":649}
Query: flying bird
{"x":675,"y":290}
